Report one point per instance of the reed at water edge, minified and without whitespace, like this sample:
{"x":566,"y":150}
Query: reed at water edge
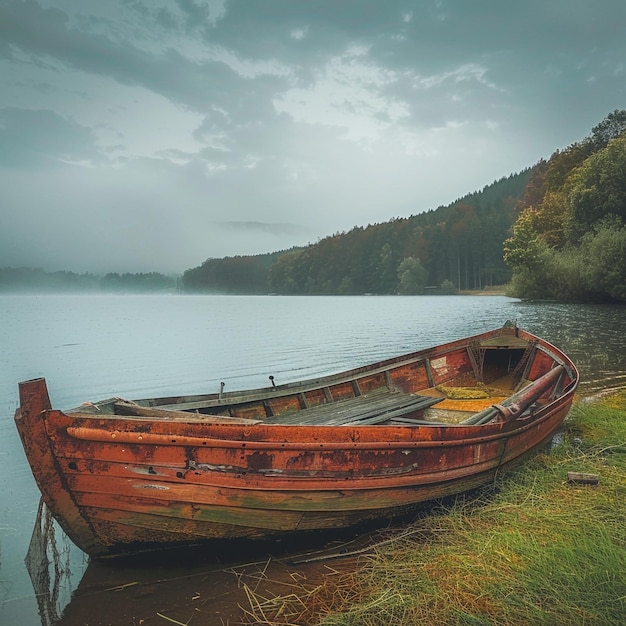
{"x":532,"y":549}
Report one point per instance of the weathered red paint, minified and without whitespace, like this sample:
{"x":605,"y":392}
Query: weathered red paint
{"x":119,"y":482}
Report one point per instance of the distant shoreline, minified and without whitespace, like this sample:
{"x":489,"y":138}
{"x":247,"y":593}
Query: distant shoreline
{"x":128,"y":292}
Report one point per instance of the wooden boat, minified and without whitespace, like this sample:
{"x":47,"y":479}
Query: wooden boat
{"x":370,"y":443}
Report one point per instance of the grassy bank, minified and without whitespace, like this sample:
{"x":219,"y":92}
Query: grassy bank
{"x":535,"y":549}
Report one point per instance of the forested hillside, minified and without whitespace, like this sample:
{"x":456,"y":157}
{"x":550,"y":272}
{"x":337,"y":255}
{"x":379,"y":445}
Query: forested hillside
{"x":240,"y":274}
{"x":569,"y":242}
{"x":556,"y":230}
{"x":454,"y":247}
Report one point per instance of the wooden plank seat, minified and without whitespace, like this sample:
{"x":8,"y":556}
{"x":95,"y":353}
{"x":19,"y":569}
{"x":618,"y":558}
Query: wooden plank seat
{"x":366,"y":409}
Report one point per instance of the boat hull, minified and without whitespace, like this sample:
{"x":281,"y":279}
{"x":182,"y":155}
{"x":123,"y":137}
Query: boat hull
{"x":119,"y":483}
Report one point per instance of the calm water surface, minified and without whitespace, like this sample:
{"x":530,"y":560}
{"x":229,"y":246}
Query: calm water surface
{"x":92,"y":347}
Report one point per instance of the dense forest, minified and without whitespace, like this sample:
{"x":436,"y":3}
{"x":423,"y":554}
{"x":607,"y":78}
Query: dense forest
{"x":569,"y":241}
{"x":454,"y":247}
{"x":239,"y":274}
{"x":555,"y":231}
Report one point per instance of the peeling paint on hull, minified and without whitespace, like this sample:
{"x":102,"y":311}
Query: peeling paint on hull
{"x":122,"y":476}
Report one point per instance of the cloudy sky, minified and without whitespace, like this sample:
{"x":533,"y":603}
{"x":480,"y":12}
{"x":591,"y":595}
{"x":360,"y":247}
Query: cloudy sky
{"x":141,"y":135}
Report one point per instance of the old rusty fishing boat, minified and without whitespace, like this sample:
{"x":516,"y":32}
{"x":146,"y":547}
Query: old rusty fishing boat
{"x":121,"y":476}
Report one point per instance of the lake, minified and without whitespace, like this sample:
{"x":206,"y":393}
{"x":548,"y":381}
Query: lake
{"x":89,"y":347}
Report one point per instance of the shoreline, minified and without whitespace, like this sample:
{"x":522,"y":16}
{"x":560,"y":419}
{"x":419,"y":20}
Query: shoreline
{"x":483,"y":292}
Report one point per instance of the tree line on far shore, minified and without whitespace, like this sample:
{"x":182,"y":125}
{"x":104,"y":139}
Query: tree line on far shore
{"x":440,"y":251}
{"x":29,"y":279}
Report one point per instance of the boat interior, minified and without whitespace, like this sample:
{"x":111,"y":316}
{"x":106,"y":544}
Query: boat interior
{"x":426,"y":388}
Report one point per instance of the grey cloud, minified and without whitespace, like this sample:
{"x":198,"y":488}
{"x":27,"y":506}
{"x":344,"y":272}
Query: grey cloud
{"x":211,"y":124}
{"x":41,"y":138}
{"x":47,"y":33}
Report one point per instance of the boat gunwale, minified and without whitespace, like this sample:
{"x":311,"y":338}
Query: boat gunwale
{"x":126,"y":437}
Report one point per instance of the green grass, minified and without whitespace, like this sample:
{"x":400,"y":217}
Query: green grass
{"x":539,"y":551}
{"x":536,"y":550}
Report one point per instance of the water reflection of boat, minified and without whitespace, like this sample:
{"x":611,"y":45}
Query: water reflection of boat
{"x":369,"y":443}
{"x":214,"y":586}
{"x":48,"y":568}
{"x":222,"y":584}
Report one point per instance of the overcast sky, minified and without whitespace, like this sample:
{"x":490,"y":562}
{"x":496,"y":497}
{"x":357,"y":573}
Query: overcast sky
{"x":141,"y":135}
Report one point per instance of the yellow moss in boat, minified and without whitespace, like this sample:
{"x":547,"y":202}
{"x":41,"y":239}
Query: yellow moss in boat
{"x":463,"y":393}
{"x":468,"y":406}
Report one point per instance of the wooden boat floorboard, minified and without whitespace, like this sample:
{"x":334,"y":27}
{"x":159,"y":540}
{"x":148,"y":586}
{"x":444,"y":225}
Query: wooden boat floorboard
{"x":365,"y":409}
